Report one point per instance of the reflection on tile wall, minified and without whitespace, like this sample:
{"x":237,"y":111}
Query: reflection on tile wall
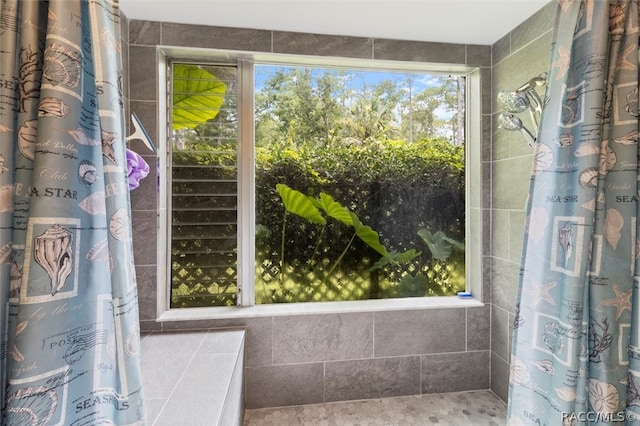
{"x":517,"y":57}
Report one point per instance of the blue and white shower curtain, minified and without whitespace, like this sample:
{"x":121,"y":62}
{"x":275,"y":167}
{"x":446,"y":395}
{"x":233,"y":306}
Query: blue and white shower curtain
{"x":69,"y":336}
{"x":575,"y":357}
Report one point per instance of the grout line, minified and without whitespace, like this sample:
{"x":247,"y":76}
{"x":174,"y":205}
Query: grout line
{"x":173,"y":390}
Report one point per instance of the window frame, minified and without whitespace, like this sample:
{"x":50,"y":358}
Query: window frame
{"x":246,"y":306}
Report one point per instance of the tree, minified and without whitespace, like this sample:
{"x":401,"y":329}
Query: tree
{"x":298,"y":106}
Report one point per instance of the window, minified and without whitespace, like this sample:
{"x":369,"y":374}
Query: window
{"x":315,"y":183}
{"x":204,"y":185}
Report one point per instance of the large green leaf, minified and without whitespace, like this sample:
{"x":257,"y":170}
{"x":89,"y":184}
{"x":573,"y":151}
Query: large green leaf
{"x":334,"y":209}
{"x":368,"y":235}
{"x":299,"y":204}
{"x":197,"y":96}
{"x":413,"y":286}
{"x":396,"y":258}
{"x":439,"y":244}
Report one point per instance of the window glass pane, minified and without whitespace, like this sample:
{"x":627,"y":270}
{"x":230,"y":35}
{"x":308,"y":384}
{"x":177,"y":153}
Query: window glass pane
{"x":204,"y":138}
{"x":360,"y":184}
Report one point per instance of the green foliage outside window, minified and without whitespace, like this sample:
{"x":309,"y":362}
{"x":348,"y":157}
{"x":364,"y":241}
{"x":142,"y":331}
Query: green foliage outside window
{"x":359,"y":192}
{"x":403,"y":192}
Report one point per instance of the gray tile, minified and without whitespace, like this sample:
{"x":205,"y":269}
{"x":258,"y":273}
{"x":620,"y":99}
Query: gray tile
{"x":500,"y":233}
{"x":174,"y":34}
{"x":487,"y":275}
{"x":455,"y":372}
{"x":502,"y":140}
{"x":539,"y":23}
{"x":144,"y":32}
{"x":201,"y":386}
{"x":372,"y":378}
{"x":501,"y":49}
{"x":145,"y":196}
{"x":478,"y":55}
{"x":478,"y":328}
{"x":144,"y":224}
{"x":142,"y":73}
{"x":504,"y":285}
{"x":124,"y":26}
{"x":400,"y":50}
{"x":510,"y":336}
{"x":150,"y":325}
{"x":486,"y":137}
{"x":487,"y":214}
{"x":146,"y":278}
{"x":522,"y":65}
{"x":516,"y":234}
{"x":164,"y":359}
{"x":322,"y":45}
{"x":153,"y":407}
{"x":499,"y":332}
{"x":511,"y":179}
{"x":500,"y":377}
{"x":222,"y":342}
{"x":486,"y":81}
{"x":258,"y":342}
{"x":419,"y":332}
{"x":147,"y":113}
{"x":282,"y":385}
{"x":486,"y":186}
{"x":308,"y":338}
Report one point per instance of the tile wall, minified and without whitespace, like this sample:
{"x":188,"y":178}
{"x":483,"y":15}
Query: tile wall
{"x":517,"y":57}
{"x":314,"y":358}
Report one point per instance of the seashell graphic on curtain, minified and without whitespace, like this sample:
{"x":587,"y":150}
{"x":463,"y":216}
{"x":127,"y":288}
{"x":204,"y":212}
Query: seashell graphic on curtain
{"x":87,"y":172}
{"x":565,"y":238}
{"x":62,"y":66}
{"x":52,"y":107}
{"x":613,"y":224}
{"x":542,"y":159}
{"x":52,"y":251}
{"x":604,"y":397}
{"x":608,"y":158}
{"x":36,"y":405}
{"x":519,"y":371}
{"x":6,"y":198}
{"x":27,"y":135}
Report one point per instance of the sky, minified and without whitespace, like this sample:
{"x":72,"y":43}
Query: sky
{"x":359,"y":77}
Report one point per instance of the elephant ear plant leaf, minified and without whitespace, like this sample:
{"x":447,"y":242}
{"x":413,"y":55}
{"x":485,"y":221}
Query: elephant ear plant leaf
{"x":439,"y":244}
{"x":368,"y":235}
{"x":301,"y":205}
{"x":334,"y":209}
{"x":396,"y":258}
{"x":311,"y":209}
{"x":197,"y":96}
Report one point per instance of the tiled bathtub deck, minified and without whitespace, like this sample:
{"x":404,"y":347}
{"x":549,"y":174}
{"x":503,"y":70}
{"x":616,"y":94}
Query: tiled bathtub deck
{"x":180,"y":370}
{"x":477,"y":408}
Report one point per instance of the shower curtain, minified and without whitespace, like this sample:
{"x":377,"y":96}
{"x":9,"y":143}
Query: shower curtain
{"x":575,"y":357}
{"x":69,"y":336}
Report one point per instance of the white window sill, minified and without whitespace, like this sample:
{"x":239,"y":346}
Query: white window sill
{"x":279,"y":309}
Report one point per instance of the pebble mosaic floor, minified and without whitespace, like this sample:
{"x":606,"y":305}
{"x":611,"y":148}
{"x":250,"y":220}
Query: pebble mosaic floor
{"x":477,"y":408}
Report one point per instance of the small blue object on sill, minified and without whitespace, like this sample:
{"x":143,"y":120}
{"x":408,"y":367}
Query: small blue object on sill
{"x":465,"y":295}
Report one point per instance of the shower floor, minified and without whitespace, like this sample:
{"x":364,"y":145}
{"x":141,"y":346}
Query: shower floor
{"x":477,"y":408}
